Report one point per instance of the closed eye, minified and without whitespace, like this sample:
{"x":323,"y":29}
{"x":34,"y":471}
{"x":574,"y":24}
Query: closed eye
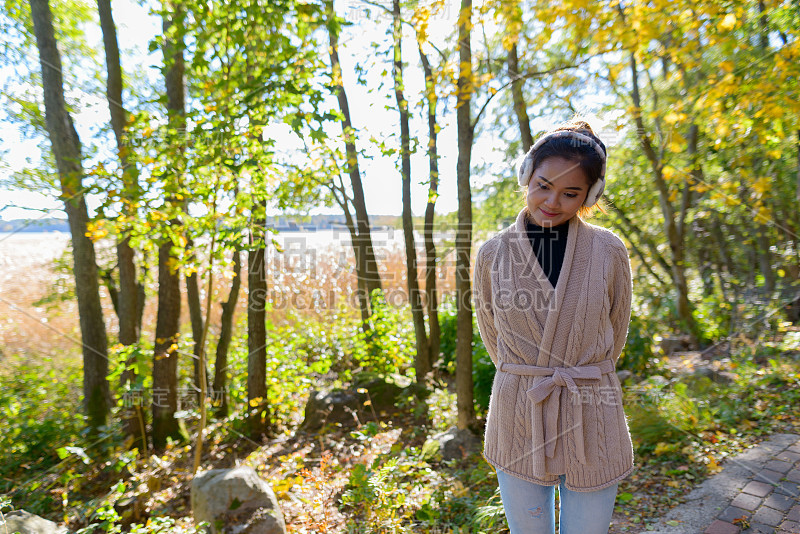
{"x":543,"y":186}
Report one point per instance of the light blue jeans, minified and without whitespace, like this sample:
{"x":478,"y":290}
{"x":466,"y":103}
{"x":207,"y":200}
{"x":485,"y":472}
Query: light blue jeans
{"x":530,"y":508}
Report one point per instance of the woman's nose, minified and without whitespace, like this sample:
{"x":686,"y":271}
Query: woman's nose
{"x":551,"y":200}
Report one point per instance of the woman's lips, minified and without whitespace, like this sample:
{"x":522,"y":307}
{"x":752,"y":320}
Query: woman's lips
{"x":547,"y":213}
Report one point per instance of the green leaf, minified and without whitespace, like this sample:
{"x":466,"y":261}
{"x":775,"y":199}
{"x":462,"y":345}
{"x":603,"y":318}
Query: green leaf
{"x":625,"y":497}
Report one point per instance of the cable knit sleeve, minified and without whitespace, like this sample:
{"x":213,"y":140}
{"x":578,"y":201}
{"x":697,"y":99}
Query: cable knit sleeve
{"x":621,"y":291}
{"x":482,"y":291}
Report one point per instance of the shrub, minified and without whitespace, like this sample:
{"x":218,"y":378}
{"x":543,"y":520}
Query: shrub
{"x":483,"y":369}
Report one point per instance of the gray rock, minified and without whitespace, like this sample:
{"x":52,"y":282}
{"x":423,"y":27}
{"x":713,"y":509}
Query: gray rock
{"x":719,"y":377}
{"x":331,"y":406}
{"x":368,"y":397}
{"x":671,"y":344}
{"x":623,"y":375}
{"x":454,"y":444}
{"x":382,"y":393}
{"x":27,"y":523}
{"x":236,"y":501}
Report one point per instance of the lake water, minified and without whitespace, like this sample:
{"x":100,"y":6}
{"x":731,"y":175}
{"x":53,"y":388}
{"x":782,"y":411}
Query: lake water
{"x":22,"y":253}
{"x":22,"y":250}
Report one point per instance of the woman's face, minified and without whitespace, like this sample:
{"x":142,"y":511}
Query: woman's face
{"x":556,"y":191}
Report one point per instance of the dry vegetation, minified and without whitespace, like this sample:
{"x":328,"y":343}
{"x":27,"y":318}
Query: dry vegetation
{"x":38,"y":315}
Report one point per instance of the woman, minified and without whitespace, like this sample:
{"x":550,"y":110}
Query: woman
{"x":553,"y":300}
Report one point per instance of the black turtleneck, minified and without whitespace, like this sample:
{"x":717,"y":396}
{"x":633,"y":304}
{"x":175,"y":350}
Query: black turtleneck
{"x":549,"y":244}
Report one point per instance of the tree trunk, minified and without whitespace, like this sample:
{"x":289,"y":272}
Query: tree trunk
{"x":422,"y":360}
{"x":128,"y":332}
{"x":797,"y":191}
{"x":258,"y":421}
{"x":133,"y":421}
{"x":431,"y":300}
{"x":465,"y":87}
{"x":141,"y":296}
{"x":165,"y":362}
{"x":362,"y":293}
{"x":67,"y":151}
{"x":367,"y":264}
{"x":220,"y":389}
{"x":721,"y":246}
{"x":128,"y":294}
{"x":671,"y":229}
{"x":341,"y":198}
{"x":763,"y":26}
{"x":765,"y":258}
{"x":195,"y":314}
{"x":705,"y":256}
{"x":107,"y":277}
{"x":520,"y":107}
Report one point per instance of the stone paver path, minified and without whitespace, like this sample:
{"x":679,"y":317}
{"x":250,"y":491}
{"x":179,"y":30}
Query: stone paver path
{"x":758,"y":491}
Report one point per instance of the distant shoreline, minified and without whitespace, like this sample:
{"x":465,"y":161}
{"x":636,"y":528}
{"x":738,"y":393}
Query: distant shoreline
{"x":34,"y":226}
{"x":280,"y":224}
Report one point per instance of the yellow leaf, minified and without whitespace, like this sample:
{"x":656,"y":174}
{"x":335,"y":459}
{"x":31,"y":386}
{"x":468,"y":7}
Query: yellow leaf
{"x":675,"y":146}
{"x":728,"y":23}
{"x":663,"y":448}
{"x":763,"y":214}
{"x":713,"y":466}
{"x":671,"y":117}
{"x":673,"y":195}
{"x":762,"y":185}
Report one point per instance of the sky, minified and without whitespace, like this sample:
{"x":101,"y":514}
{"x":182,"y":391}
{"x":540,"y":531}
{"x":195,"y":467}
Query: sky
{"x":372,"y":115}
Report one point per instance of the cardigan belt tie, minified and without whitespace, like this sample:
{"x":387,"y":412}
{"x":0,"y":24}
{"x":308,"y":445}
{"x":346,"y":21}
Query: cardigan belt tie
{"x":557,"y":379}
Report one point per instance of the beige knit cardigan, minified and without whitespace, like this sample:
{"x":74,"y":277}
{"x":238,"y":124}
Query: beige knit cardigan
{"x":556,"y":403}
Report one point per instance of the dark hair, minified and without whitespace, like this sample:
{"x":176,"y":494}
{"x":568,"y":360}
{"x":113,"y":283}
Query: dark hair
{"x":572,"y":149}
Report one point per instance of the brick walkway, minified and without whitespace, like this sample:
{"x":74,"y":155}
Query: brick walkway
{"x":758,"y":491}
{"x":769,"y":501}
